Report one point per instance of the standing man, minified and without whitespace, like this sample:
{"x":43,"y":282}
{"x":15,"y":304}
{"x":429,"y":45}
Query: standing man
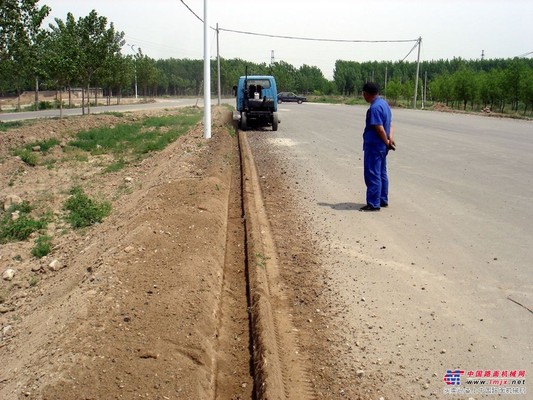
{"x":377,"y":140}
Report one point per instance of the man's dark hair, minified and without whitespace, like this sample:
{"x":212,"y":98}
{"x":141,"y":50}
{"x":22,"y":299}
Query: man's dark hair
{"x":371,"y":88}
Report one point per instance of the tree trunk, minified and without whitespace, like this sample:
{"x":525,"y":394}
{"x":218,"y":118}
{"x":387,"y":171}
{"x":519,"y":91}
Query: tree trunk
{"x":36,"y":93}
{"x":88,"y":99}
{"x":82,"y":100}
{"x":60,"y":103}
{"x":18,"y":99}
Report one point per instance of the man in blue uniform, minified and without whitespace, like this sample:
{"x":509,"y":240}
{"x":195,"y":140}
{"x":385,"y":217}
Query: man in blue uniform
{"x":377,"y":141}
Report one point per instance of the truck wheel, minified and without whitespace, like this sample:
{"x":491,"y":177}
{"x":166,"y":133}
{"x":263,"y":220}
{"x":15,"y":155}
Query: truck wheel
{"x":280,"y":101}
{"x":299,"y":101}
{"x":275,"y":121}
{"x":244,"y":121}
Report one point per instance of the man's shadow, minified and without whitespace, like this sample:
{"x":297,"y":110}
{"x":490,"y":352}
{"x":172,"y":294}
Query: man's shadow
{"x":342,"y":206}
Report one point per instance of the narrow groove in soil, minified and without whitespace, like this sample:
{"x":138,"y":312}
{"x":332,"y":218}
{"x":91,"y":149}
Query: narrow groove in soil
{"x":233,"y":367}
{"x":246,"y":268}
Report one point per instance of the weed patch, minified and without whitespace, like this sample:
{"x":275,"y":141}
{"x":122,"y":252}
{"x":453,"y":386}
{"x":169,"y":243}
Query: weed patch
{"x":138,"y":139}
{"x":43,"y":246}
{"x":4,"y":126}
{"x":84,"y":211}
{"x":116,"y":166}
{"x":19,"y":228}
{"x":28,"y":156}
{"x":29,"y":153}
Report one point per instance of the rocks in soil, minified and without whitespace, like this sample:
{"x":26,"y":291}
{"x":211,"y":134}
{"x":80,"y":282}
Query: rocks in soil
{"x":8,"y":274}
{"x":56,"y":265}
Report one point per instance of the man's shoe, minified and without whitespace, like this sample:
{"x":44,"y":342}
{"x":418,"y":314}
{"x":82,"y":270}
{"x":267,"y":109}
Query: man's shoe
{"x":384,"y":205}
{"x":368,"y":208}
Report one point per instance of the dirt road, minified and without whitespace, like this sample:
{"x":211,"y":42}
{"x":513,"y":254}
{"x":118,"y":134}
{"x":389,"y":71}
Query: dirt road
{"x":182,"y":292}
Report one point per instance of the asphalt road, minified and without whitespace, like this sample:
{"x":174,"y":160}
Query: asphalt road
{"x":158,"y":104}
{"x":441,"y":279}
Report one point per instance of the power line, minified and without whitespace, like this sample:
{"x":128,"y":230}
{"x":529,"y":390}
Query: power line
{"x":302,"y":38}
{"x":320,"y":39}
{"x":525,"y":54}
{"x":190,"y":9}
{"x":410,"y":51}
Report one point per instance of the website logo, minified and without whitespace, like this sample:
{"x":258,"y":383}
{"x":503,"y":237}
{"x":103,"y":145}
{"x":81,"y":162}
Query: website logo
{"x":453,"y":377}
{"x":485,"y":382}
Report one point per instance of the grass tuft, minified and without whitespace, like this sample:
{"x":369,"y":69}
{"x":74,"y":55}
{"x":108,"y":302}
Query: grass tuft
{"x":20,"y":228}
{"x":84,"y":211}
{"x":43,"y":246}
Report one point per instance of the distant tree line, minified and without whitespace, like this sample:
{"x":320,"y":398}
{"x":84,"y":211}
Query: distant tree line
{"x":494,"y":83}
{"x":86,"y":53}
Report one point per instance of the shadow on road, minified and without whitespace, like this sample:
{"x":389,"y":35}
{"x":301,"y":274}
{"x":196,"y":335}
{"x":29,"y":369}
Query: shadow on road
{"x":342,"y":206}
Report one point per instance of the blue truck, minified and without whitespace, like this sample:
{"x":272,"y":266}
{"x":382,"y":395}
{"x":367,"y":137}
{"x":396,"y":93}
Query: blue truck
{"x":256,"y":102}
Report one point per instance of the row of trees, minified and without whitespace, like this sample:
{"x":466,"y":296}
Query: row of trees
{"x":458,"y":83}
{"x":87,"y":53}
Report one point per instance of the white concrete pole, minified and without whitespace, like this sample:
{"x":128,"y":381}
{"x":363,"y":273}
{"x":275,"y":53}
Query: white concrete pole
{"x":207,"y":75}
{"x":218,"y":67}
{"x":417,"y":71}
{"x":134,"y":67}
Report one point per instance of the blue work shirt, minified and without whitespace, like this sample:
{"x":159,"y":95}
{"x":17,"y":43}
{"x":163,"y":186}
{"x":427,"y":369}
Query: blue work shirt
{"x":378,"y":113}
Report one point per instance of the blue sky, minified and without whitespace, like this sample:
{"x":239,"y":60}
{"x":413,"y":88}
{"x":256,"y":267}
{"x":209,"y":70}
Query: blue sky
{"x":449,"y":28}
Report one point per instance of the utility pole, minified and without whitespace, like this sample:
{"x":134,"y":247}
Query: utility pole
{"x":207,"y":75}
{"x":135,"y":68}
{"x":218,"y":67}
{"x":417,"y":71}
{"x":386,"y":77}
{"x":272,"y":58}
{"x":424,"y":92}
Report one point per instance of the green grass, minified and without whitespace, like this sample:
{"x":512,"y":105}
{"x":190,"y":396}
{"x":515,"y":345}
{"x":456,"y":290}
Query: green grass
{"x":44,"y":145}
{"x":117,"y":114}
{"x":137,"y":139}
{"x":84,"y":211}
{"x":31,"y":157}
{"x":116,"y":166}
{"x":71,"y":153}
{"x":43,"y":246}
{"x":125,"y":142}
{"x":12,"y":230}
{"x":348,"y":100}
{"x":4,"y":126}
{"x":28,"y":156}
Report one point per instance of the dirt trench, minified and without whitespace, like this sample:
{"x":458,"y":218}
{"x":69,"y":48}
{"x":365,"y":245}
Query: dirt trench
{"x":176,"y":295}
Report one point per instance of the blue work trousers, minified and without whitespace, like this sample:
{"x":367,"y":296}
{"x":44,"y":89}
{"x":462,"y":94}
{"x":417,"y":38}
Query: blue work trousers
{"x":376,"y":179}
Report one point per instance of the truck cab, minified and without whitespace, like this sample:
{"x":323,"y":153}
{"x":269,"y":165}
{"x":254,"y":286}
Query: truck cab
{"x":256,"y":101}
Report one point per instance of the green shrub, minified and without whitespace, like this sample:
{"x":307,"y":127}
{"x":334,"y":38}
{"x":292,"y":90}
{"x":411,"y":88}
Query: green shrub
{"x":28,"y":156}
{"x":58,"y":104}
{"x":43,"y":246}
{"x":44,"y":145}
{"x":116,"y":166}
{"x":42,"y":105}
{"x":114,"y":113}
{"x":4,"y":126}
{"x":84,"y":211}
{"x":19,"y":229}
{"x":46,"y":105}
